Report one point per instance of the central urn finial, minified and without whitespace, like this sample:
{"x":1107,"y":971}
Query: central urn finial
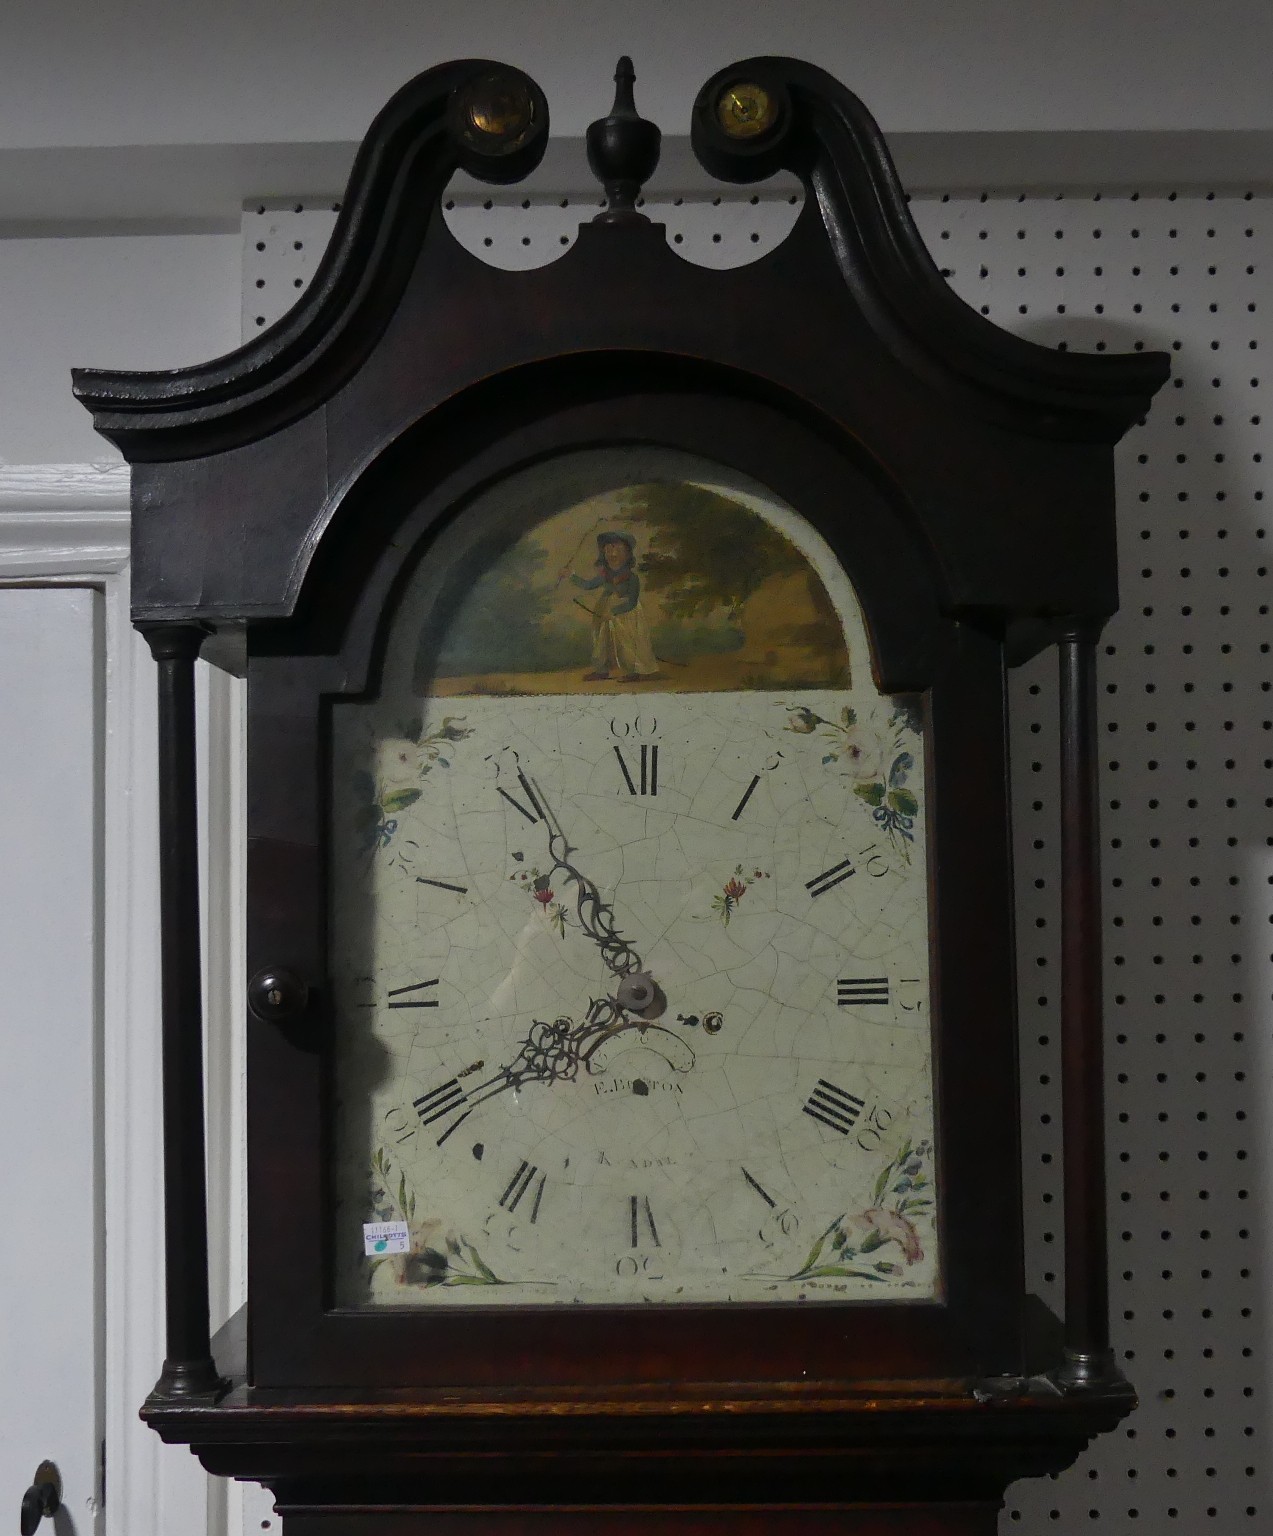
{"x":623,"y":150}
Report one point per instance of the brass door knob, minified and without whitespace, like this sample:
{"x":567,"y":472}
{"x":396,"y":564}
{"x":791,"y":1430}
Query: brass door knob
{"x":277,"y":996}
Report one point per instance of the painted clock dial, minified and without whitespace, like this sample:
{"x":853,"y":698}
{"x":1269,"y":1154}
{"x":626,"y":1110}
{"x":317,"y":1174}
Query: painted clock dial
{"x":630,"y":915}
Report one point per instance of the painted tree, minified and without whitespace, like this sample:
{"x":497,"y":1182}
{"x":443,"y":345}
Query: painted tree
{"x":500,"y":623}
{"x":709,"y":552}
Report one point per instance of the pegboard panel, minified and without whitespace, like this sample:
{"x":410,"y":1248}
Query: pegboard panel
{"x":282,"y":246}
{"x":1185,"y":720}
{"x":1187,"y":730}
{"x":252,"y":1512}
{"x":282,"y":242}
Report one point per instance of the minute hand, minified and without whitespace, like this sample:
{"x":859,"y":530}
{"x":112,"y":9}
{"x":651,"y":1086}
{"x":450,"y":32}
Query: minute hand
{"x":596,"y":915}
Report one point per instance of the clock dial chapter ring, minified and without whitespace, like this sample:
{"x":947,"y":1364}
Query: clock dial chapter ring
{"x":586,"y":1086}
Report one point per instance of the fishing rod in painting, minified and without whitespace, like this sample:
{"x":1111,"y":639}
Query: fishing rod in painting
{"x":588,"y":533}
{"x":665,"y":660}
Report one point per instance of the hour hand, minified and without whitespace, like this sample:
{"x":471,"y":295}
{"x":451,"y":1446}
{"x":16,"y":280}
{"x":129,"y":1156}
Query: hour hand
{"x":551,"y":1052}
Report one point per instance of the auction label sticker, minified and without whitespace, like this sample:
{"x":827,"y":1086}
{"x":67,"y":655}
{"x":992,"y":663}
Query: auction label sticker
{"x":385,"y":1237}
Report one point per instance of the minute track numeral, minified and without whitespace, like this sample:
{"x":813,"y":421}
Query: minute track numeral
{"x":862,"y":991}
{"x":398,"y":1124}
{"x":834,"y":1107}
{"x":645,"y":781}
{"x":821,"y":884}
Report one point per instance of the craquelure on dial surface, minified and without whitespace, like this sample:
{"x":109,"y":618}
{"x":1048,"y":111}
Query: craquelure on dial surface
{"x":632,"y":977}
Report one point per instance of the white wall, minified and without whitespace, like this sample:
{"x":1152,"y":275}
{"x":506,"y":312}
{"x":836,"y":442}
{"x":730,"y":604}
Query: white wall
{"x":51,"y":1271}
{"x":167,"y":109}
{"x":79,"y":72}
{"x":156,"y":301}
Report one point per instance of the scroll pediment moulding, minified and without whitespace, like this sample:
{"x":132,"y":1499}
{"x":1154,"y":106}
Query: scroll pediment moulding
{"x":852,"y":291}
{"x":442,"y":121}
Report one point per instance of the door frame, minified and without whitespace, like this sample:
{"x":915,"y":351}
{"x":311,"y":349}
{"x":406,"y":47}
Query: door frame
{"x":68,"y":525}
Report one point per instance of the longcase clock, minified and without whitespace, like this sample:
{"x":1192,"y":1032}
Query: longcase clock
{"x":632,"y":1080}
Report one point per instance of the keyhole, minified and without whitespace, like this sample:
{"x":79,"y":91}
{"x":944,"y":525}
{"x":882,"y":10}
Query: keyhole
{"x":277,"y":996}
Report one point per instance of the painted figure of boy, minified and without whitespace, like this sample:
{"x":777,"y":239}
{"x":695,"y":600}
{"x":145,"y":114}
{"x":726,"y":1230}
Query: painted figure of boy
{"x":620,"y":635}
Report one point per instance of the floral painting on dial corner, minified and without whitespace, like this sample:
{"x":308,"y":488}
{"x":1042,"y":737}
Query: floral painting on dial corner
{"x":876,"y":1244}
{"x":876,"y":751}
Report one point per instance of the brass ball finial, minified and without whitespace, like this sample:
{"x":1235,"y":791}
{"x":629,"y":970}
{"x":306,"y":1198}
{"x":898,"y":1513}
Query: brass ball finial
{"x":499,"y":108}
{"x":745,"y":110}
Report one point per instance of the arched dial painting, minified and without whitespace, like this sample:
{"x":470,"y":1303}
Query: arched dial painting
{"x":630,"y":914}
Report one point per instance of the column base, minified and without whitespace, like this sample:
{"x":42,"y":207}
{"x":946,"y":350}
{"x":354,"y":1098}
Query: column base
{"x":189,"y":1381}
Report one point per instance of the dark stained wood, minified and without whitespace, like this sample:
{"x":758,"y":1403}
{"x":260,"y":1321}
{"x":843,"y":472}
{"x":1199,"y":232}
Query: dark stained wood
{"x":973,"y":996}
{"x":826,"y":136}
{"x":623,"y":149}
{"x":297,"y":1337}
{"x":416,"y":490}
{"x":1018,"y":524}
{"x":920,"y":1453}
{"x":410,"y":152}
{"x":188,"y":1370}
{"x":978,"y":1519}
{"x":282,"y":497}
{"x":244,"y":464}
{"x":1087,"y":1350}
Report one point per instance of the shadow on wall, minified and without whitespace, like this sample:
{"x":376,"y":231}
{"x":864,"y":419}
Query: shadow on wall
{"x":1186,"y":710}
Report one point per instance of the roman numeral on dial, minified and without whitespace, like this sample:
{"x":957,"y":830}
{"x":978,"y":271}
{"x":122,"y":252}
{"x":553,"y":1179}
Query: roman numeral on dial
{"x":519,"y":1184}
{"x":441,"y":1101}
{"x":821,"y":884}
{"x":862,"y":991}
{"x":641,"y":1220}
{"x":537,"y":811}
{"x":644,"y":772}
{"x":747,"y":794}
{"x":834,"y":1107}
{"x":760,"y":1190}
{"x":400,"y":1000}
{"x":445,"y":1100}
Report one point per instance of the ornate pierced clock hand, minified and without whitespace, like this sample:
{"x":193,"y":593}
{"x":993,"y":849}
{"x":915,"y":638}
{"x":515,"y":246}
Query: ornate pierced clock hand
{"x":553,"y":1053}
{"x":596,"y":916}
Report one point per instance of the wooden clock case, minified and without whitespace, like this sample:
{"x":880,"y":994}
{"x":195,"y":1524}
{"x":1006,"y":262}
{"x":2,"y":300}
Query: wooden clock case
{"x":282,"y":495}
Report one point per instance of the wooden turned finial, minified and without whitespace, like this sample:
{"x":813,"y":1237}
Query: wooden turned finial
{"x":623,"y":150}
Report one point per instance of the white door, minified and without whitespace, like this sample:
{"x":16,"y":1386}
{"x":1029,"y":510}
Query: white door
{"x":51,"y":1206}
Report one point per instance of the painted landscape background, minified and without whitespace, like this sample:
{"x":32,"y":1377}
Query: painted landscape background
{"x":730,"y":602}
